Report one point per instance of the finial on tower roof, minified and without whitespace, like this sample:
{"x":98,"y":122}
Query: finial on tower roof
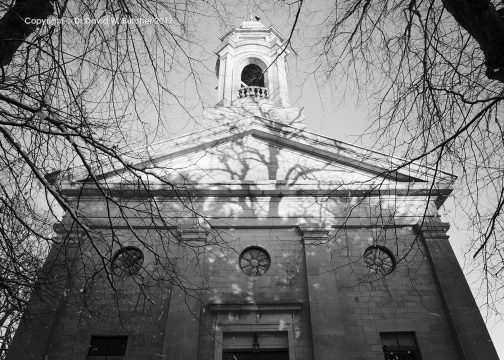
{"x":252,"y":22}
{"x":253,"y":17}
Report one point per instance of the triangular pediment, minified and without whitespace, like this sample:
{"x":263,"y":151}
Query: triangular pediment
{"x":260,"y":151}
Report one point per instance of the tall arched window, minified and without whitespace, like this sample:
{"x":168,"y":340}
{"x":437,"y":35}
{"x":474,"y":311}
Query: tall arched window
{"x":252,"y":75}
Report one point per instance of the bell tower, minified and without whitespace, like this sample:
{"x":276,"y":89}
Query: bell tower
{"x":251,"y":66}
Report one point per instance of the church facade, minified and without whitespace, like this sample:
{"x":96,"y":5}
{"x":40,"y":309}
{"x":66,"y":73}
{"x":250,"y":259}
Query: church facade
{"x":254,"y":239}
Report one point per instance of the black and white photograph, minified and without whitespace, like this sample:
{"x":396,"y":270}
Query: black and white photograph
{"x":251,"y":180}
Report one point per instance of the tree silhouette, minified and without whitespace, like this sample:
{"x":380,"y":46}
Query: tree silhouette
{"x":433,"y":72}
{"x":75,"y":78}
{"x":73,"y":95}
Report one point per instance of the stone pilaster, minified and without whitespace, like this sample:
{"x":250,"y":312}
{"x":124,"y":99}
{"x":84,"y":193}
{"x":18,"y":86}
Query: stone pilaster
{"x":183,"y":320}
{"x":469,"y":330}
{"x":33,"y":337}
{"x":325,"y":304}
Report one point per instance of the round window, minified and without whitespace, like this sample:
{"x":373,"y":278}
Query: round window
{"x":254,"y":261}
{"x":127,"y":261}
{"x":379,"y":260}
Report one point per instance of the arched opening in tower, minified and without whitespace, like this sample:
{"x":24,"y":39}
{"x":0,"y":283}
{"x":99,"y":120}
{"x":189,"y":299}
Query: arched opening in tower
{"x":252,"y":75}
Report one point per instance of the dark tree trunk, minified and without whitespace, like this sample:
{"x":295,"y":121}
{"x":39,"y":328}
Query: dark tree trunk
{"x":483,"y":22}
{"x":13,"y":28}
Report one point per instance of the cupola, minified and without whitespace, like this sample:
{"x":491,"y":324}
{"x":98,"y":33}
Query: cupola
{"x":251,"y":65}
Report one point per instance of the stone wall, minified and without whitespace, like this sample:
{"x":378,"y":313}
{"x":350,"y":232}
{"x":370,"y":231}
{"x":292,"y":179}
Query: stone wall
{"x":351,"y":306}
{"x":318,"y":294}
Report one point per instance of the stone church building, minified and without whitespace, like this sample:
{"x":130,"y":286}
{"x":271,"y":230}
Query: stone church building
{"x":254,"y":239}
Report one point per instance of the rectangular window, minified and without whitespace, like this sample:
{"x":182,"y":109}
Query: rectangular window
{"x":400,"y":346}
{"x":107,"y":348}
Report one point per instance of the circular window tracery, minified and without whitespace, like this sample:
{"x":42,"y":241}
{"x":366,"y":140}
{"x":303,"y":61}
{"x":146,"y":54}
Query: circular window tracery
{"x":127,"y":261}
{"x":254,"y":261}
{"x":379,"y":260}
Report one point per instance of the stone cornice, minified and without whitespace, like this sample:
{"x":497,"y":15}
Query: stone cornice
{"x":433,"y":228}
{"x":272,"y":189}
{"x":268,"y":30}
{"x":295,"y":307}
{"x":192,"y":233}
